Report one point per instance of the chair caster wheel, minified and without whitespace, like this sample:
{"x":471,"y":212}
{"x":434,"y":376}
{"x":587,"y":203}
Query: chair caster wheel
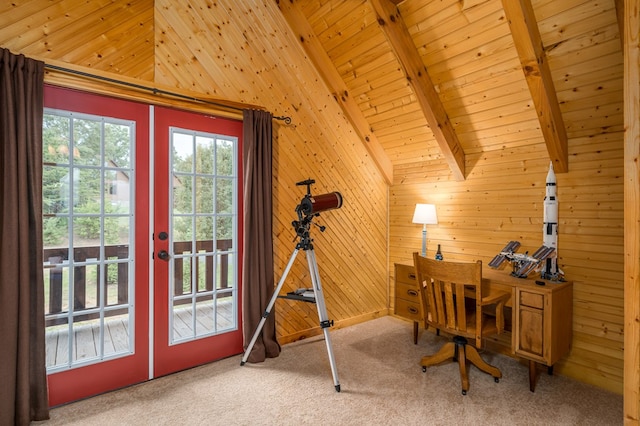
{"x":424,"y":369}
{"x":496,"y":379}
{"x":464,"y":392}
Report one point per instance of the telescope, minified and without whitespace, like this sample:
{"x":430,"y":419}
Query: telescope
{"x":312,"y":205}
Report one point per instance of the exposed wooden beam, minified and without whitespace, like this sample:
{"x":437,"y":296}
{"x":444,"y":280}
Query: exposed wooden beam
{"x":631,"y":85}
{"x":301,"y":27}
{"x":402,"y":44}
{"x":526,"y":37}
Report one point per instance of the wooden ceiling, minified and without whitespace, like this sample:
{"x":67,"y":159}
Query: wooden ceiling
{"x":460,"y":77}
{"x":419,"y":80}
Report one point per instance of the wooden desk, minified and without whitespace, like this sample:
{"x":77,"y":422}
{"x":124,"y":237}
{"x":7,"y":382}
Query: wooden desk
{"x":541,"y":315}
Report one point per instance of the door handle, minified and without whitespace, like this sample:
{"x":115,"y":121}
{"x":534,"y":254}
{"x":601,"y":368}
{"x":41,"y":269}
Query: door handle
{"x":163,"y":255}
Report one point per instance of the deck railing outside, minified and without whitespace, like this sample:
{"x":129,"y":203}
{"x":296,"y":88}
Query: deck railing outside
{"x":86,"y":292}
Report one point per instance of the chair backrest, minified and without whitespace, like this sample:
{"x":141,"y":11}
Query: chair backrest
{"x":448,"y":290}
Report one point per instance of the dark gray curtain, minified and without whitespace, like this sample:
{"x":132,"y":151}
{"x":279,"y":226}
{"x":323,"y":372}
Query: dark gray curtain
{"x":257,"y":262}
{"x":23,"y":379}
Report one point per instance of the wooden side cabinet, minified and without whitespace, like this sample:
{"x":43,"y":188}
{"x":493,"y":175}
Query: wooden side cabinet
{"x":542,"y":328}
{"x":407,"y":296}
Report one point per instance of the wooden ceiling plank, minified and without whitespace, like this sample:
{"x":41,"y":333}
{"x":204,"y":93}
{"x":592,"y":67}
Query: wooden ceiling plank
{"x":475,"y":84}
{"x":494,"y":58}
{"x":578,"y":22}
{"x":526,"y":37}
{"x":299,"y":25}
{"x":595,"y":44}
{"x":342,"y":22}
{"x":364,"y":42}
{"x":457,"y":42}
{"x":400,"y":40}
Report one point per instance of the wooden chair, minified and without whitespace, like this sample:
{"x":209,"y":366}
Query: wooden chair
{"x":452,"y":301}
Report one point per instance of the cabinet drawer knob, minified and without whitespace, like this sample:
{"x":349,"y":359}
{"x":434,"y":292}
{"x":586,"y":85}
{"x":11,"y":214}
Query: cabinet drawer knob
{"x":412,"y":276}
{"x":412,"y":292}
{"x":412,"y":310}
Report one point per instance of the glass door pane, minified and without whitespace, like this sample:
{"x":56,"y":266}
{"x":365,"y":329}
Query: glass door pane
{"x":87,"y":224}
{"x":203,"y":294}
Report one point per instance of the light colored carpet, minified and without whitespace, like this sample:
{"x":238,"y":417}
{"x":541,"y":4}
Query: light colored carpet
{"x":381,"y":384}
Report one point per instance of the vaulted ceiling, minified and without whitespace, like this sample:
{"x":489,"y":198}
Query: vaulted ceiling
{"x":455,"y":78}
{"x":419,"y":80}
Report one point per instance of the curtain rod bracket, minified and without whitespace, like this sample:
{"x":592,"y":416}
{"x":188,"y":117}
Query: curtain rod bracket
{"x":287,"y":120}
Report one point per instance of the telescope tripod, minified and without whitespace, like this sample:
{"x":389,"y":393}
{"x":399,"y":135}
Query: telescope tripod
{"x":306,"y":245}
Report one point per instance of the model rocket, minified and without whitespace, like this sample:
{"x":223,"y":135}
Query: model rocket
{"x":550,"y":269}
{"x":545,"y":259}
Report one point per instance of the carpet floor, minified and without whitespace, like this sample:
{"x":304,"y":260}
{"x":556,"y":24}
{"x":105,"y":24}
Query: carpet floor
{"x":381,"y":384}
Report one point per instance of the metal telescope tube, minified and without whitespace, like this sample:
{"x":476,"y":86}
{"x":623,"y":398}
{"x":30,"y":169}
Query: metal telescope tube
{"x":313,"y":204}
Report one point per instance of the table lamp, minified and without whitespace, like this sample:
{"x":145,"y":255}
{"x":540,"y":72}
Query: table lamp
{"x":426,"y":215}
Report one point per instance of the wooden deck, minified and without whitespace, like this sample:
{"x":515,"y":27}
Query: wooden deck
{"x":86,"y":345}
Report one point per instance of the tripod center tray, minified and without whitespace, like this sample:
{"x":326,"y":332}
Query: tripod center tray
{"x":302,"y":294}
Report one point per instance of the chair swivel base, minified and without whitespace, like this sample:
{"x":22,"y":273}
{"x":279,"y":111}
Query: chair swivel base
{"x":459,"y":350}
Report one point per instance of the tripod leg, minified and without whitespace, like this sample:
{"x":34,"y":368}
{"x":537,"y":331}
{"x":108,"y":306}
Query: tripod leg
{"x":322,"y":312}
{"x":266,"y":313}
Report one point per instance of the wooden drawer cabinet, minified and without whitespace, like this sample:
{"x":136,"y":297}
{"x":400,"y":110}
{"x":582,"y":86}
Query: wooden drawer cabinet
{"x":543,"y":323}
{"x":407,"y":296}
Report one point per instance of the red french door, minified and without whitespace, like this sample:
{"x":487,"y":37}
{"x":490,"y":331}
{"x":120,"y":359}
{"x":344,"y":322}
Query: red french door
{"x":133,"y":292}
{"x":96,"y":243}
{"x":196,"y":239}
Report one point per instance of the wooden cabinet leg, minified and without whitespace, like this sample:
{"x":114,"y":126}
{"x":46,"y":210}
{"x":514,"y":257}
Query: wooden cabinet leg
{"x":415,"y":332}
{"x":532,"y":376}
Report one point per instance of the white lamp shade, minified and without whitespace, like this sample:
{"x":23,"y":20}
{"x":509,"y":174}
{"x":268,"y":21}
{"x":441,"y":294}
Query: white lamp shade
{"x":425,"y":214}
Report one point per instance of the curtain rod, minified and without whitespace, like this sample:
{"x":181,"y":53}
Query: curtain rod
{"x":154,"y":90}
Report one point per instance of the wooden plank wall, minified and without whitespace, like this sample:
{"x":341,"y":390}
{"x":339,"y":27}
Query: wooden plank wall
{"x":468,"y":51}
{"x":320,"y":144}
{"x":502,"y":197}
{"x":631,"y":37}
{"x":96,"y":35}
{"x":202,"y":51}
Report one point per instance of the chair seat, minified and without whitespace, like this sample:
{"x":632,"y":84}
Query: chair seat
{"x":489,"y":325}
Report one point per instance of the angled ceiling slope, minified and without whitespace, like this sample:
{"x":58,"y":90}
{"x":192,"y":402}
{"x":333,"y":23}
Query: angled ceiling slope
{"x":530,"y":51}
